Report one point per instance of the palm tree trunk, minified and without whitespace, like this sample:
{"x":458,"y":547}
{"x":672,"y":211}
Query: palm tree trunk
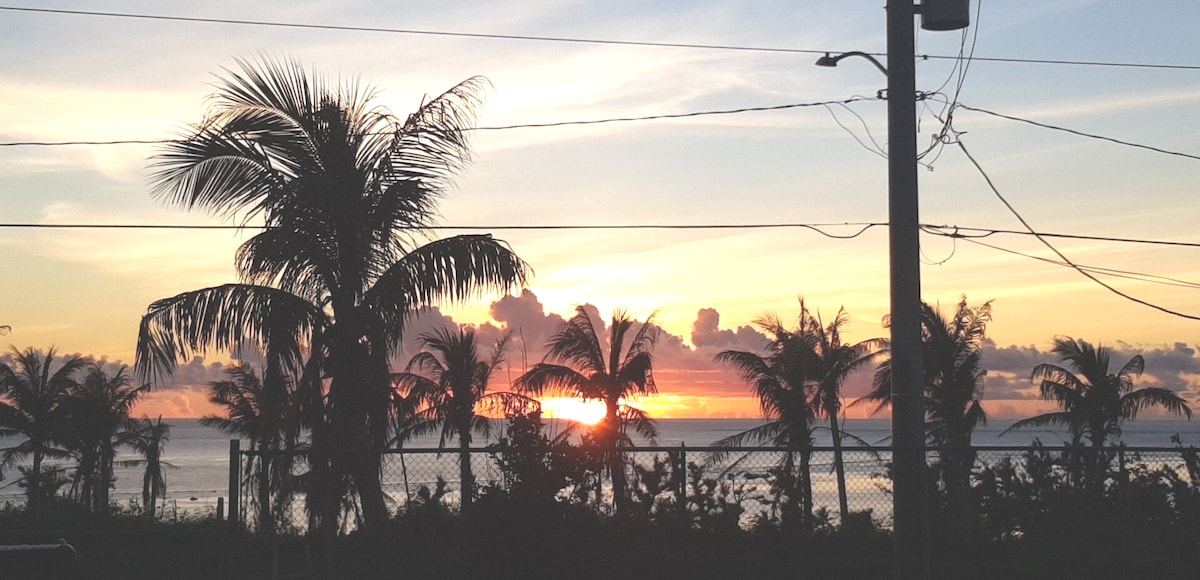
{"x":839,"y":466}
{"x":806,"y":492}
{"x":466,"y":477}
{"x":265,"y":522}
{"x":616,"y":462}
{"x":33,"y":491}
{"x":104,"y":481}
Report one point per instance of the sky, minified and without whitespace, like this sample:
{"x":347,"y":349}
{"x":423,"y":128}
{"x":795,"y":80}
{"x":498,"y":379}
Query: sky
{"x":78,"y":78}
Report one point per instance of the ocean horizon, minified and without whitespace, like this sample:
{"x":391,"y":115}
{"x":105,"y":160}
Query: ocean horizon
{"x":199,"y":455}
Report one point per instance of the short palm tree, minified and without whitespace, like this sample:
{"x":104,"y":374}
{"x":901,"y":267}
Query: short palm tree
{"x":261,"y":409}
{"x":96,"y":412}
{"x":1094,"y":401}
{"x":150,"y":440}
{"x":577,"y":364}
{"x":781,"y":379}
{"x":31,"y":394}
{"x":343,"y":188}
{"x":832,"y":362}
{"x":449,"y":381}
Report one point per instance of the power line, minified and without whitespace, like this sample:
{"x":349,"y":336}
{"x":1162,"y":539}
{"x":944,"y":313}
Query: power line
{"x":411,"y":31}
{"x":937,"y":230}
{"x":658,"y":117}
{"x":818,"y":227}
{"x":566,"y":39}
{"x":1080,"y":133}
{"x":987,"y":232}
{"x":987,"y":178}
{"x":1140,"y":276}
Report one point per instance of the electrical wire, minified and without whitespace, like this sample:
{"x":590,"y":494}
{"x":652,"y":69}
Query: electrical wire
{"x":658,"y":117}
{"x":566,"y":39}
{"x":988,"y":232}
{"x":818,"y":228}
{"x":1080,"y":133}
{"x":937,"y":230}
{"x":987,"y":178}
{"x":1140,"y":276}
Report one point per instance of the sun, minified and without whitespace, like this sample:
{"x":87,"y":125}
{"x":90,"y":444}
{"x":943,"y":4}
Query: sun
{"x":588,"y":413}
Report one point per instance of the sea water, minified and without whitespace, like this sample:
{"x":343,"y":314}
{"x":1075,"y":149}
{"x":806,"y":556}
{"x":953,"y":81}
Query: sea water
{"x":198,"y":456}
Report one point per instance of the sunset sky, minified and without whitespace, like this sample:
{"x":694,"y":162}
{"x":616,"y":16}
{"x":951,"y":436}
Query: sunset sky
{"x":95,"y":78}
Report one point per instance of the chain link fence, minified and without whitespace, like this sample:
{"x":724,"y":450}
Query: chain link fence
{"x":744,"y":487}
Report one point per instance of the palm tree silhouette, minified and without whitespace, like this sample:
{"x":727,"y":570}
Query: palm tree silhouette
{"x":578,"y":365}
{"x":31,"y":407}
{"x":150,"y":440}
{"x":263,"y":411}
{"x":952,"y":351}
{"x":1094,"y":401}
{"x":344,"y":187}
{"x":832,"y":362}
{"x":782,"y":381}
{"x":96,"y":421}
{"x":449,"y":380}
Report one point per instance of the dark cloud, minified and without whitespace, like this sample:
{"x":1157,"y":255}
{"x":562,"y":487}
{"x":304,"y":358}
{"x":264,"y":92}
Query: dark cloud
{"x":1175,"y":367}
{"x":706,"y":332}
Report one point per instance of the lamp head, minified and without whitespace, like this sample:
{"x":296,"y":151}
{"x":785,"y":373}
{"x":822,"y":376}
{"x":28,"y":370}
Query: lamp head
{"x":827,"y":60}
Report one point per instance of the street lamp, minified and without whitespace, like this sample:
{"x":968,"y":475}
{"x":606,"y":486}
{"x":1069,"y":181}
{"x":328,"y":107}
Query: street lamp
{"x":832,"y":61}
{"x":910,"y":545}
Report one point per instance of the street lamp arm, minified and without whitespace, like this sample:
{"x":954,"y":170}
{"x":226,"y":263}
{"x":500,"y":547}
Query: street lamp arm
{"x":830,"y":60}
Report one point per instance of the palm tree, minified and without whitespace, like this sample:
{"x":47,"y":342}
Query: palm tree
{"x":263,"y":411}
{"x":343,"y":187}
{"x":578,"y":365}
{"x":449,"y":379}
{"x":954,"y":380}
{"x":952,"y":351}
{"x":97,"y":421}
{"x":782,"y":381}
{"x":150,"y":440}
{"x":832,"y":362}
{"x":30,"y":408}
{"x":1095,"y":401}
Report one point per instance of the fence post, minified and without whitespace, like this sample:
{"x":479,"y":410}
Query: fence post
{"x":683,"y":477}
{"x":1123,"y":506}
{"x":235,"y":480}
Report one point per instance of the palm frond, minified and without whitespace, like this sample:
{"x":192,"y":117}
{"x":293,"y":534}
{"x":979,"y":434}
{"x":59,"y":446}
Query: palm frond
{"x":224,"y":318}
{"x":450,"y":269}
{"x":551,"y":378}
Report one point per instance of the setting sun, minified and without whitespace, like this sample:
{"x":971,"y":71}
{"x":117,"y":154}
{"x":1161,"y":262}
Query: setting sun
{"x":586,"y":412}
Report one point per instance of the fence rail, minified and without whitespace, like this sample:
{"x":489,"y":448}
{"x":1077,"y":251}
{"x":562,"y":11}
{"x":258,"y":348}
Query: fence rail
{"x":742,"y":486}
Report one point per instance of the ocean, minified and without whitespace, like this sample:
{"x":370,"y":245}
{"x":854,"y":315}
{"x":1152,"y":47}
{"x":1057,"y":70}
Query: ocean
{"x":199,"y":455}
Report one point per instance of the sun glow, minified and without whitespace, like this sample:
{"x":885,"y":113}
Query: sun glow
{"x":586,"y":412}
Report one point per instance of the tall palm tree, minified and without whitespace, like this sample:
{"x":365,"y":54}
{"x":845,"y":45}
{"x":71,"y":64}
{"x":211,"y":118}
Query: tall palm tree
{"x":449,"y":380}
{"x":97,"y":421}
{"x":952,"y":351}
{"x":832,"y":362}
{"x":343,"y":187}
{"x":149,"y":441}
{"x":1095,"y":401}
{"x":781,"y":380}
{"x":31,"y":395}
{"x":578,"y":365}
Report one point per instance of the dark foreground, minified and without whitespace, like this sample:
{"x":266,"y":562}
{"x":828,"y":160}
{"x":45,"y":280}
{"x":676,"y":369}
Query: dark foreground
{"x":503,"y":543}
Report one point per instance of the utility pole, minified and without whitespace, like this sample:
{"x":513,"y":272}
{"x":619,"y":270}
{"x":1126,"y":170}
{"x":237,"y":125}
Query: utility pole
{"x":910,"y":508}
{"x":909,"y":511}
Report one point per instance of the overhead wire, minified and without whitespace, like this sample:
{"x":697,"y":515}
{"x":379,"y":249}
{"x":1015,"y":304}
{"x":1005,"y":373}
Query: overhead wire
{"x":551,"y":124}
{"x":1140,"y":276}
{"x":1080,"y":133}
{"x":561,"y":39}
{"x":987,"y":178}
